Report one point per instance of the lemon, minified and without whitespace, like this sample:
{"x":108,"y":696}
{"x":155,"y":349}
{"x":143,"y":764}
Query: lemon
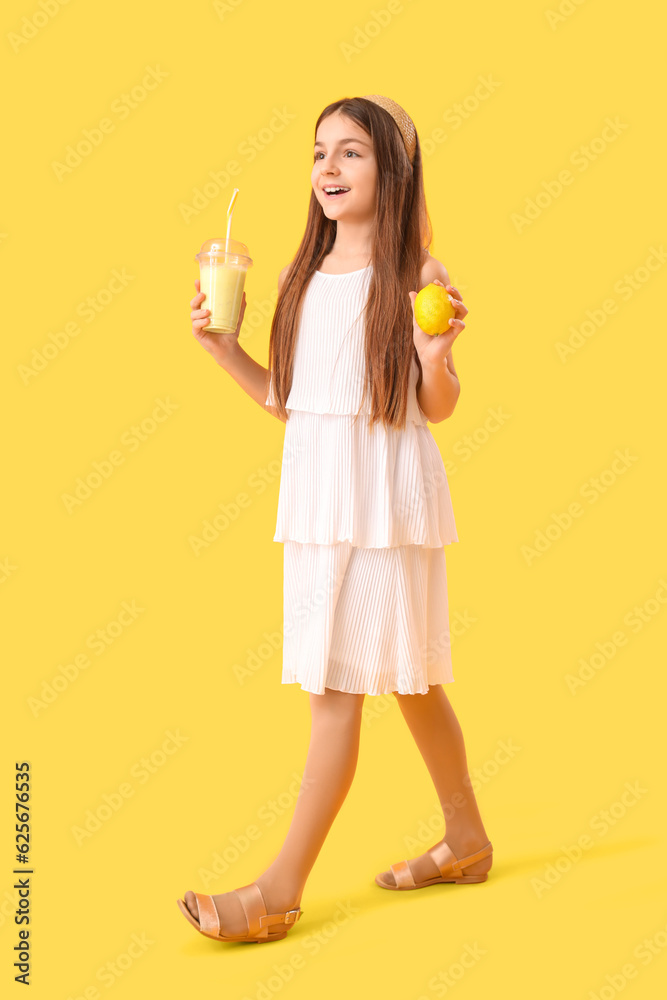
{"x":433,"y":310}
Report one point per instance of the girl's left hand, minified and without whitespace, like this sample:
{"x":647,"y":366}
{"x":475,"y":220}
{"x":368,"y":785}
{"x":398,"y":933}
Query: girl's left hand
{"x":434,"y":349}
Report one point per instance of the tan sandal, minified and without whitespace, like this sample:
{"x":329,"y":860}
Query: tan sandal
{"x":451,"y":869}
{"x":262,"y":926}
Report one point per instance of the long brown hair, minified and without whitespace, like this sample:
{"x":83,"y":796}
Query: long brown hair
{"x":402,"y":233}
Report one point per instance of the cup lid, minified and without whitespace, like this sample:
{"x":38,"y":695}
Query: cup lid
{"x":221,"y":247}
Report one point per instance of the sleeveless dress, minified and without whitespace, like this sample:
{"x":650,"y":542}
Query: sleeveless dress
{"x":363,"y":515}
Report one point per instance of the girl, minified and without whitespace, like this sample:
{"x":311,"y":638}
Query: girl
{"x":364,"y":508}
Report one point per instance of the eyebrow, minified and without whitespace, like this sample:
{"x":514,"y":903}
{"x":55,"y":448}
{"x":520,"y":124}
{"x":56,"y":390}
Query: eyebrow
{"x":362,"y":142}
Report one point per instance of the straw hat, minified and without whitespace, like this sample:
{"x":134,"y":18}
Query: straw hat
{"x":402,"y":119}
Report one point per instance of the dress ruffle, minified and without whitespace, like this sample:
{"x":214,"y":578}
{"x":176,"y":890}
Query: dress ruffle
{"x":365,"y":620}
{"x":378,"y":489}
{"x":311,"y":392}
{"x":342,"y":481}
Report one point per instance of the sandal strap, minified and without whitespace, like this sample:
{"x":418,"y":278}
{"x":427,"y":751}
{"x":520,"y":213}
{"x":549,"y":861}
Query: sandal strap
{"x":402,"y":874}
{"x":254,"y":908}
{"x":286,"y":917}
{"x":484,"y":852}
{"x":209,"y":921}
{"x":447,"y":861}
{"x":257,"y":918}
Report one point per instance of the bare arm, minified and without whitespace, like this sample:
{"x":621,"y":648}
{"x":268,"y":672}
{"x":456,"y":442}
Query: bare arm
{"x":439,"y":391}
{"x":249,"y":374}
{"x":229,"y":355}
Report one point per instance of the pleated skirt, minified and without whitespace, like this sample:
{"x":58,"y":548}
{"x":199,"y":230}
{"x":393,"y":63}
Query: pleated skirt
{"x":365,"y":620}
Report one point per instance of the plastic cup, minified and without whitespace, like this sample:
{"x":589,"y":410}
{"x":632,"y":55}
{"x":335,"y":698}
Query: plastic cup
{"x":223,"y":265}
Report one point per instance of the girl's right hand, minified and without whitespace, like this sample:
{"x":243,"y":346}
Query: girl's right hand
{"x":217,"y":344}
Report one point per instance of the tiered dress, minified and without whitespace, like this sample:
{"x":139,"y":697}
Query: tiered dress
{"x":363,"y":515}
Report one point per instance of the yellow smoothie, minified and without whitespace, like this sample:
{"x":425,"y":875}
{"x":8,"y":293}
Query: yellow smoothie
{"x":222,"y":284}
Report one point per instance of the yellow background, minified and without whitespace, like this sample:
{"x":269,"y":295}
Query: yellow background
{"x":173,"y":667}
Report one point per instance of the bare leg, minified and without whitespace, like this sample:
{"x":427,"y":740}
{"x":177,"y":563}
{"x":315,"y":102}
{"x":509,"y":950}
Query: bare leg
{"x":437,"y":732}
{"x":330,"y":766}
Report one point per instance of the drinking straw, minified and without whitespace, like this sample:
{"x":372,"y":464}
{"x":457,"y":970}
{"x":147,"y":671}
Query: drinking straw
{"x":230,"y":212}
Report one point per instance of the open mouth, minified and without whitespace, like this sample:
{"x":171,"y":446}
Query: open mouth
{"x":334,"y":191}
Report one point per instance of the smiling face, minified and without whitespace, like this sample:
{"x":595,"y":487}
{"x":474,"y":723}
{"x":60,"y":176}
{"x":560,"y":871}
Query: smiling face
{"x":343,"y":157}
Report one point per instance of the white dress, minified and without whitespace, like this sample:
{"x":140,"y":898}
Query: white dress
{"x":363,"y":516}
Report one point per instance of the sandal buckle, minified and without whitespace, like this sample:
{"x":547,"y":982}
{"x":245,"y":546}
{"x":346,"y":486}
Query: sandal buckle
{"x":291,"y":916}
